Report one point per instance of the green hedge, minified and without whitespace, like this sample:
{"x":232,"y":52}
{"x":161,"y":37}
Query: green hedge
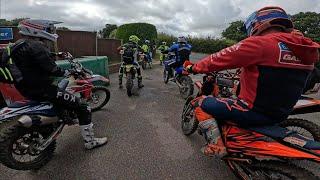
{"x":142,"y":30}
{"x":202,"y":45}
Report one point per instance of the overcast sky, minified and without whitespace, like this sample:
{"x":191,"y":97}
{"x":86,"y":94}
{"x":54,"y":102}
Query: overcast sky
{"x":178,"y":17}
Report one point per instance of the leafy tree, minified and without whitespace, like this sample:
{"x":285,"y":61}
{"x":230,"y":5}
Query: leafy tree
{"x":106,"y":31}
{"x":14,"y":22}
{"x":113,"y":34}
{"x":308,"y":23}
{"x":234,"y":32}
{"x":142,"y":30}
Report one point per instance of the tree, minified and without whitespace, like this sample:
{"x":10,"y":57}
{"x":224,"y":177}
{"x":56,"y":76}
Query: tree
{"x":106,"y":31}
{"x":234,"y":32}
{"x":14,"y":22}
{"x":63,"y":28}
{"x":113,"y":34}
{"x":308,"y":23}
{"x":142,"y":30}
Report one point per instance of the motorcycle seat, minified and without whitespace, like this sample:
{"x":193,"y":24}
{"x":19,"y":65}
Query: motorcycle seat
{"x":19,"y":104}
{"x":283,"y":134}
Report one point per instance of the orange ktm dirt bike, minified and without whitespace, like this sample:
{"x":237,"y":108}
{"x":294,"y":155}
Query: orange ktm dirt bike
{"x":262,"y":152}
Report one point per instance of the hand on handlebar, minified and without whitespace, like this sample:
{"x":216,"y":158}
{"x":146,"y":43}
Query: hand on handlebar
{"x":187,"y":66}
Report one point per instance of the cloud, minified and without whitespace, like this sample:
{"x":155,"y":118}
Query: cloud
{"x":194,"y":17}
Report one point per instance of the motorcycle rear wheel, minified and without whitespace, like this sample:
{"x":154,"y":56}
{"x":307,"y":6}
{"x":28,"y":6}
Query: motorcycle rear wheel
{"x":269,"y":170}
{"x":187,"y":86}
{"x":129,"y":84}
{"x":19,"y":141}
{"x":303,"y":127}
{"x":166,"y":76}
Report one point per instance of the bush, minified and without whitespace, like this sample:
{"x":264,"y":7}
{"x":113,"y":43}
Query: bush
{"x":142,"y":30}
{"x":202,"y":45}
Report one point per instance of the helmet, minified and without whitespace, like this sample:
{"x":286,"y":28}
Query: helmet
{"x":39,"y":28}
{"x":164,"y":43}
{"x":134,"y":38}
{"x":265,"y":18}
{"x":147,"y":41}
{"x":182,"y":39}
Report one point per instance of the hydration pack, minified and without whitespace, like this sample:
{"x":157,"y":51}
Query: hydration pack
{"x":9,"y":72}
{"x":128,"y":54}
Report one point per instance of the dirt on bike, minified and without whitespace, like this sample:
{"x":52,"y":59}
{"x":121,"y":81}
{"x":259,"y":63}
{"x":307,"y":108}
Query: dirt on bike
{"x":178,"y":76}
{"x":262,"y":152}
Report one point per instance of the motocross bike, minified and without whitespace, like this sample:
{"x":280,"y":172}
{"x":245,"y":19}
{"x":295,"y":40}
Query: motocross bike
{"x":145,"y":61}
{"x":262,"y":152}
{"x":130,"y":72}
{"x":88,"y":86}
{"x":163,"y":56}
{"x":179,"y":76}
{"x":28,"y":137}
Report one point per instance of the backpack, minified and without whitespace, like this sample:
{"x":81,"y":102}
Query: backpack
{"x":128,"y":54}
{"x":9,"y":72}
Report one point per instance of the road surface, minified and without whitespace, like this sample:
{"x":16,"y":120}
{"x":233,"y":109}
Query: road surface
{"x":145,"y":141}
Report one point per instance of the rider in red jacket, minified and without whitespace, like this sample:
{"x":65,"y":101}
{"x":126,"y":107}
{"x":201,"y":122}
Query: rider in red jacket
{"x":276,"y":61}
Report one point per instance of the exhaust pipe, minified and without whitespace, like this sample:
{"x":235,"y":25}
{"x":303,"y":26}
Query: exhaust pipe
{"x":28,"y":121}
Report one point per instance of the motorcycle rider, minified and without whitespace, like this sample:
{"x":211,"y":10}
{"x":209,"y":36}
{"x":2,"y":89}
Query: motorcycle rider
{"x":37,"y":65}
{"x":130,"y":52}
{"x":272,"y":56}
{"x":182,"y":51}
{"x":163,"y":48}
{"x":147,"y":50}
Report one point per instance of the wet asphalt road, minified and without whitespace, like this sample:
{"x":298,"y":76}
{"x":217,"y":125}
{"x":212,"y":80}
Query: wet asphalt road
{"x":145,"y":141}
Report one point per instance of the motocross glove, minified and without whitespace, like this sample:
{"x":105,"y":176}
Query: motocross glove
{"x":187,"y":65}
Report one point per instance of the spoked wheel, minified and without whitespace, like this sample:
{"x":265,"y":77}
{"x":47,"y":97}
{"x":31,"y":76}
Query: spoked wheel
{"x":187,"y":87}
{"x":166,"y":75}
{"x":18,"y":147}
{"x":189,"y":124}
{"x":303,"y":127}
{"x":268,"y":170}
{"x":100,"y":96}
{"x":129,"y":84}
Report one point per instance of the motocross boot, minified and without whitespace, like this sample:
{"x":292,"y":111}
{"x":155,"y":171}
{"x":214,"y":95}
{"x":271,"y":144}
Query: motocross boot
{"x":140,"y":85}
{"x":215,"y":146}
{"x":91,"y":142}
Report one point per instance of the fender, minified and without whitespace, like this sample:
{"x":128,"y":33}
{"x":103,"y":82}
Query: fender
{"x":98,"y":80}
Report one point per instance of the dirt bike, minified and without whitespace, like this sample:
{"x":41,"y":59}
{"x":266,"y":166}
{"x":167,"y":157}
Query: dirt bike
{"x":262,"y":152}
{"x":130,"y":72}
{"x":144,"y":61}
{"x":163,"y":56}
{"x":29,"y":132}
{"x":83,"y":84}
{"x":178,"y":76}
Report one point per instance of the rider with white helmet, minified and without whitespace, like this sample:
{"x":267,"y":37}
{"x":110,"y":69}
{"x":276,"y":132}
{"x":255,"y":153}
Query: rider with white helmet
{"x":37,"y":65}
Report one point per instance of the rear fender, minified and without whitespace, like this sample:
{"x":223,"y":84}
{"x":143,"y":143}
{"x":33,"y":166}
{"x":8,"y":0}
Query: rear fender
{"x":256,"y":145}
{"x":98,"y":79}
{"x":306,"y":105}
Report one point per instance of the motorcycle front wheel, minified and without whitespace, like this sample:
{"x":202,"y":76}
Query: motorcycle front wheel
{"x":129,"y":84}
{"x":189,"y":124}
{"x":100,"y":96}
{"x":17,"y":147}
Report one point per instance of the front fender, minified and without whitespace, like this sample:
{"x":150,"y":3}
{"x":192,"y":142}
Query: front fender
{"x":99,"y":80}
